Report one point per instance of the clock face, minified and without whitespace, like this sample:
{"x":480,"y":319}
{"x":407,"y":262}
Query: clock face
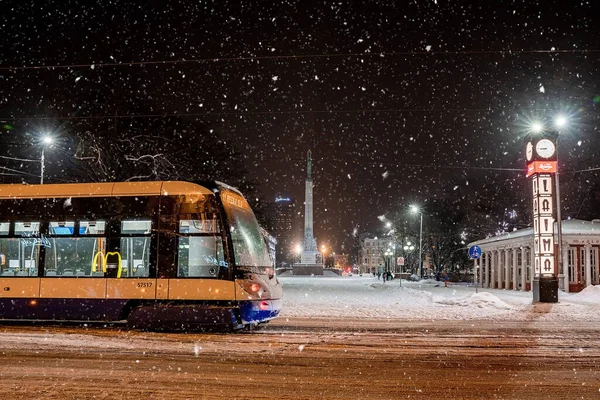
{"x":529,"y":151}
{"x":545,"y":148}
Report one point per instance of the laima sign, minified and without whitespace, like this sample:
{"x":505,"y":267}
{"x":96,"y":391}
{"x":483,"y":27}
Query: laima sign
{"x":541,"y":167}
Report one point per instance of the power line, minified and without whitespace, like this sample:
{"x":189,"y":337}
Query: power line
{"x":19,"y":159}
{"x":298,"y":57}
{"x":271,"y":112}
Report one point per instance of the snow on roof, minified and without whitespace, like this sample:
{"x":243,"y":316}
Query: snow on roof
{"x":569,"y":227}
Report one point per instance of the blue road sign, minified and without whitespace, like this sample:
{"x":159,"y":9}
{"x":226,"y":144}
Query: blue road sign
{"x":475,"y":252}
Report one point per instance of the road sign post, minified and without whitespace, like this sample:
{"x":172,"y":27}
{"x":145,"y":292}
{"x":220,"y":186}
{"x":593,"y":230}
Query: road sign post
{"x":475,"y":253}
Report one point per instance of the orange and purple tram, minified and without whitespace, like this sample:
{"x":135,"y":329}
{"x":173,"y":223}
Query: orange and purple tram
{"x":153,"y":255}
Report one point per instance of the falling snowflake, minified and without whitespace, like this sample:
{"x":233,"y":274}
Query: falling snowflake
{"x":275,"y":78}
{"x":428,"y":47}
{"x":301,"y":347}
{"x":77,"y":79}
{"x":385,"y":174}
{"x":542,"y":90}
{"x":197,"y":350}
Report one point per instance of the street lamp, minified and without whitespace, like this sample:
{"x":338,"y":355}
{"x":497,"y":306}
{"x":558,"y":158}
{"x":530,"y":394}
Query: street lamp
{"x":46,"y":140}
{"x":388,"y":254}
{"x":415,"y":209}
{"x":323,"y":254}
{"x":297,"y":252}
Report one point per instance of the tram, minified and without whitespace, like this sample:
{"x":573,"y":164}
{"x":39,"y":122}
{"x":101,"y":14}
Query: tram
{"x":155,"y":255}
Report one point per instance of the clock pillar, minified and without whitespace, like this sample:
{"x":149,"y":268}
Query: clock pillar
{"x":541,"y":169}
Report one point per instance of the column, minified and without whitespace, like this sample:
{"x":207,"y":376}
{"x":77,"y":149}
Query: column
{"x":500,"y":268}
{"x":523,"y":269}
{"x":506,"y":269}
{"x":486,"y":282}
{"x":481,"y":270}
{"x":567,"y":278}
{"x":515,"y":270}
{"x":531,"y":266}
{"x":588,"y":265}
{"x":493,"y":270}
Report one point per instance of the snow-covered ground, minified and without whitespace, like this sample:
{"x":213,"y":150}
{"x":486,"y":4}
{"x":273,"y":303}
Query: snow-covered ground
{"x":367,"y":297}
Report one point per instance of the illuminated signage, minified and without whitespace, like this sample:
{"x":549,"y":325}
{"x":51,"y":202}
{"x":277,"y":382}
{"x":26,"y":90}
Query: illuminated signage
{"x":541,"y":167}
{"x":280,"y":199}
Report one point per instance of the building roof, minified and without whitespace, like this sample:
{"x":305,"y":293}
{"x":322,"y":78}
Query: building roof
{"x":570,"y":227}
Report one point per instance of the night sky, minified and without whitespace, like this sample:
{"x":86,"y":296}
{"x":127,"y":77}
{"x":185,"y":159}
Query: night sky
{"x":400,"y":101}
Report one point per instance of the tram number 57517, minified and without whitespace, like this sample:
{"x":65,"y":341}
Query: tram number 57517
{"x":144,"y":284}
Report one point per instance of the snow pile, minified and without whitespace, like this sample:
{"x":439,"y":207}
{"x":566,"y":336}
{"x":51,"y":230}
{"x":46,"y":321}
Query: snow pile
{"x":589,"y":294}
{"x":480,"y":300}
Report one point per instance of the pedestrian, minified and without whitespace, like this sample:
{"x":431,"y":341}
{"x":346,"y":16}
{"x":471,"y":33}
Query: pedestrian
{"x":445,"y":277}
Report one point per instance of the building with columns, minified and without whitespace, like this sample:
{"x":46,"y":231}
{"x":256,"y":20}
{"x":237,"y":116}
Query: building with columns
{"x":507,"y":260}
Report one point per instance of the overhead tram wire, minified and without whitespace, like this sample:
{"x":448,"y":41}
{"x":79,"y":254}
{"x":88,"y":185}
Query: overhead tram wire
{"x":298,"y":57}
{"x":271,"y":112}
{"x":389,"y":164}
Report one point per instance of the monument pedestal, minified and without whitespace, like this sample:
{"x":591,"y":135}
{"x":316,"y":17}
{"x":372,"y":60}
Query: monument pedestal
{"x":308,"y":269}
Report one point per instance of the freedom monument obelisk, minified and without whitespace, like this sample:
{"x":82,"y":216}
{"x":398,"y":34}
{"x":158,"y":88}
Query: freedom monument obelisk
{"x":310,"y":260}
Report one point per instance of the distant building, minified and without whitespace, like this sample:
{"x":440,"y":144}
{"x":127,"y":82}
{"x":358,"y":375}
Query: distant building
{"x":507,"y":261}
{"x":280,"y":214}
{"x":371,"y":254}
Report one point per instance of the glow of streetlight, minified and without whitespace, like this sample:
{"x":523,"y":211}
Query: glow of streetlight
{"x":47,"y":139}
{"x":388,"y":224}
{"x":536,"y":127}
{"x":414,"y":209}
{"x":560,"y":121}
{"x":298,"y":249}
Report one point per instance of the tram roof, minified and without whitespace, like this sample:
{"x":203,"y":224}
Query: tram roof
{"x":102,"y":189}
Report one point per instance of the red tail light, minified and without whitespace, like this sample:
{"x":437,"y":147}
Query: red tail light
{"x":264,"y":305}
{"x":255,"y":287}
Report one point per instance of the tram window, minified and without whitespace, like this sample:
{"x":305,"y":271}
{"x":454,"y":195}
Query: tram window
{"x":19,"y":256}
{"x":4,"y":228}
{"x":200,"y":256}
{"x":92,"y":227}
{"x":62,"y":228}
{"x":199,"y":226}
{"x":26,"y":227}
{"x":135,"y":256}
{"x":74,"y":256}
{"x":136,"y":227}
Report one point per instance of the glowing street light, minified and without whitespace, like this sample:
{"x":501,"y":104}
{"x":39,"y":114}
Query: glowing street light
{"x":46,"y":141}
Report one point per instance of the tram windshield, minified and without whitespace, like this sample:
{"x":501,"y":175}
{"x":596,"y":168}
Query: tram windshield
{"x":248,"y":243}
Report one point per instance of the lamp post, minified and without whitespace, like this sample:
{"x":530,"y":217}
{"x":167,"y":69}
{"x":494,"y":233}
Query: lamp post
{"x":388,"y":254}
{"x":47,"y":140}
{"x":323,"y":255}
{"x":416,"y":209}
{"x":297,"y":252}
